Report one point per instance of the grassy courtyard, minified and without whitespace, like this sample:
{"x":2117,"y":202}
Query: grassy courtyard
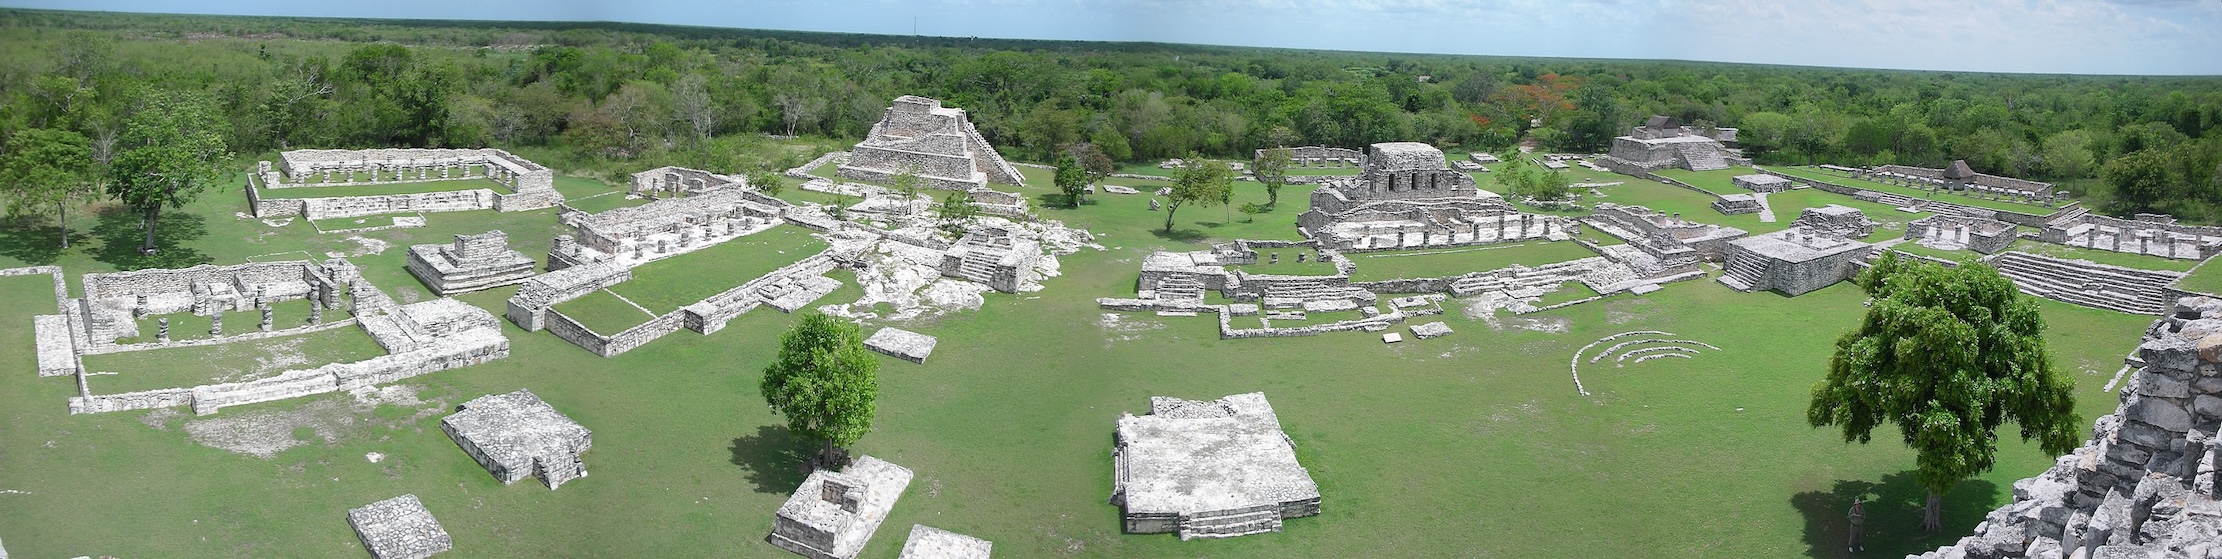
{"x":1471,"y":445}
{"x":229,"y":362}
{"x":1435,"y":263}
{"x":603,"y":312}
{"x":1915,"y":193}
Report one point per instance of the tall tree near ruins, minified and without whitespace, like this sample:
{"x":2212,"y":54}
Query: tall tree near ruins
{"x":1947,"y":355}
{"x":171,"y":150}
{"x":1200,"y":181}
{"x":47,"y":170}
{"x":1071,"y":179}
{"x":1272,"y":171}
{"x":825,"y":384}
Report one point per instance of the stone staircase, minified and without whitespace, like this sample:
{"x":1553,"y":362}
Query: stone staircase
{"x":1227,"y":524}
{"x":1181,"y":289}
{"x":2088,"y":284}
{"x":1742,"y":274}
{"x":1704,"y":157}
{"x":1533,"y":278}
{"x":977,"y":268}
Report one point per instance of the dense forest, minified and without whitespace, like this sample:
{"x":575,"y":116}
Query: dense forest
{"x":619,"y":97}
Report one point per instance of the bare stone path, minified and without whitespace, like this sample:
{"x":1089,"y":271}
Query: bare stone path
{"x":1766,"y":212}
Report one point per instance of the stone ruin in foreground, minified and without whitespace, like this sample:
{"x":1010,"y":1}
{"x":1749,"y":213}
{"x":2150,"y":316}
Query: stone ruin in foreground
{"x":833,"y":514}
{"x":1214,"y":469}
{"x":516,"y":435}
{"x":937,"y":144}
{"x":399,"y":528}
{"x":2144,"y":485}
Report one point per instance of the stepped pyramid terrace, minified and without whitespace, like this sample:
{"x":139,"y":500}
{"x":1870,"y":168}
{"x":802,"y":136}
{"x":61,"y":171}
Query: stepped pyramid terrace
{"x":936,"y":143}
{"x":1663,"y":142}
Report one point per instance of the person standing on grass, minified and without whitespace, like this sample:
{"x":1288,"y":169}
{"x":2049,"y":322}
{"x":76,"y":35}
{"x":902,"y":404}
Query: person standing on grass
{"x":1858,"y":519}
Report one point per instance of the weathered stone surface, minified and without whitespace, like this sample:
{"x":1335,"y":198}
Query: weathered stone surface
{"x":1208,"y":469}
{"x":516,"y":435}
{"x":833,"y":514}
{"x":1391,"y":338}
{"x":1431,"y":330}
{"x":2159,"y":413}
{"x":399,"y":528}
{"x":927,"y":542}
{"x":2152,"y":383}
{"x":2208,"y":407}
{"x":2170,"y":353}
{"x":903,"y":344}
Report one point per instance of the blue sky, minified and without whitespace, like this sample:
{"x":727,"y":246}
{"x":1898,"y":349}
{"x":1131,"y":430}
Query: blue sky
{"x":2044,"y":36}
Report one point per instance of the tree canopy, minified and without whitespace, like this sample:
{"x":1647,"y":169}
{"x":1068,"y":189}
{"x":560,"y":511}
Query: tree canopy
{"x":1201,"y":182}
{"x":47,"y":170}
{"x":172,"y":149}
{"x":1947,"y":355}
{"x":824,"y":382}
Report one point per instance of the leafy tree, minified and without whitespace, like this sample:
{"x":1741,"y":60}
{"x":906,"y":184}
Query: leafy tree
{"x":1093,"y":161}
{"x":1593,"y":127}
{"x":47,"y":169}
{"x":825,"y":384}
{"x":2068,"y":154}
{"x":906,"y":181}
{"x":170,"y":151}
{"x":1272,"y":171}
{"x":956,"y":212}
{"x":2140,"y":179}
{"x":765,"y":180}
{"x":1071,"y":179}
{"x":1947,"y":355}
{"x":1199,"y":181}
{"x":1250,"y":211}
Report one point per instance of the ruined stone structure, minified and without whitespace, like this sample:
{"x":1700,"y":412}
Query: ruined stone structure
{"x":993,"y":256}
{"x":927,"y":542}
{"x":1662,"y":143}
{"x":1792,"y":261}
{"x":673,"y":182}
{"x":1959,"y":177}
{"x":1317,"y":156}
{"x":471,"y":263}
{"x":1732,"y":204}
{"x":114,"y":301}
{"x":935,"y":143}
{"x":2149,"y":234}
{"x":1407,"y":197}
{"x":399,"y":528}
{"x":663,"y":228}
{"x":2087,"y":283}
{"x":902,"y":344}
{"x":1761,"y":183}
{"x":834,"y":514}
{"x":532,"y":185}
{"x":516,"y":435}
{"x":1836,"y":221}
{"x":1671,"y":240}
{"x":1208,"y":469}
{"x":2145,"y":484}
{"x":1952,"y":232}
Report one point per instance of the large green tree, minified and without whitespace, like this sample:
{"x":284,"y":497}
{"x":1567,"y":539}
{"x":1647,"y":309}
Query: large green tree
{"x":171,"y":150}
{"x":1947,"y":355}
{"x":825,"y":383}
{"x":1199,"y":181}
{"x":46,"y":169}
{"x":1272,"y":171}
{"x":1071,"y":179}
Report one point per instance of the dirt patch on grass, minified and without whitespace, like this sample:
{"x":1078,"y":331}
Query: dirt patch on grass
{"x":265,"y":433}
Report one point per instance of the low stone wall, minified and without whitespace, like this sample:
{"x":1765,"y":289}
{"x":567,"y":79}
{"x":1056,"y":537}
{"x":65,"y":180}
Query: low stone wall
{"x":531,"y":303}
{"x":356,"y":206}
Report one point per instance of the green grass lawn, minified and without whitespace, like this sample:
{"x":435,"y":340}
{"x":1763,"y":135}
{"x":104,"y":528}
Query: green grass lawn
{"x":1568,"y":291}
{"x":1288,"y":265}
{"x":1435,"y":263}
{"x":2203,"y":279}
{"x":358,"y":222}
{"x":229,"y":362}
{"x":665,"y":285}
{"x":1717,"y":182}
{"x":1816,"y":174}
{"x":603,"y":313}
{"x":1476,"y":442}
{"x":593,"y":196}
{"x":383,"y":189}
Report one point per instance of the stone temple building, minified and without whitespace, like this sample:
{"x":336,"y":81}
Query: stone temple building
{"x":1408,"y":197}
{"x":1663,"y":142}
{"x":834,"y":514}
{"x":516,"y":435}
{"x":993,"y":256}
{"x":936,"y":143}
{"x":399,"y":528}
{"x":471,"y":263}
{"x":671,"y":182}
{"x":1818,"y":250}
{"x":1214,"y":469}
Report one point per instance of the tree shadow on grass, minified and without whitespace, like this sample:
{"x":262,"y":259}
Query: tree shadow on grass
{"x":773,"y":457}
{"x":121,"y":235}
{"x":1893,"y":509}
{"x":1178,"y":235}
{"x":38,"y":245}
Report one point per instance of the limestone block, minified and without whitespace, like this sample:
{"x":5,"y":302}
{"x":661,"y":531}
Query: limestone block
{"x":399,"y":528}
{"x":927,"y":542}
{"x":903,"y":344}
{"x":2151,"y":382}
{"x":1391,"y":338}
{"x":2159,"y":413}
{"x":2170,"y":353}
{"x":2208,"y":407}
{"x":1431,"y":330}
{"x":516,"y":435}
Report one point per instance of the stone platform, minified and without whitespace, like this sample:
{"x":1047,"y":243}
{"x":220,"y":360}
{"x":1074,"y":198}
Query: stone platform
{"x":907,"y":345}
{"x":1208,"y":469}
{"x":834,"y":514}
{"x":927,"y":542}
{"x":516,"y":435}
{"x":399,"y":528}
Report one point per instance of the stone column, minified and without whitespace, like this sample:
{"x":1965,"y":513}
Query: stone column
{"x":139,"y":310}
{"x":162,"y":330}
{"x":316,"y":311}
{"x":216,"y":324}
{"x":266,"y":319}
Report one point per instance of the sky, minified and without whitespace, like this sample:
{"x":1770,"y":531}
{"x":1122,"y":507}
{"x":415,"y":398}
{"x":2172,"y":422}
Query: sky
{"x":2027,"y":36}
